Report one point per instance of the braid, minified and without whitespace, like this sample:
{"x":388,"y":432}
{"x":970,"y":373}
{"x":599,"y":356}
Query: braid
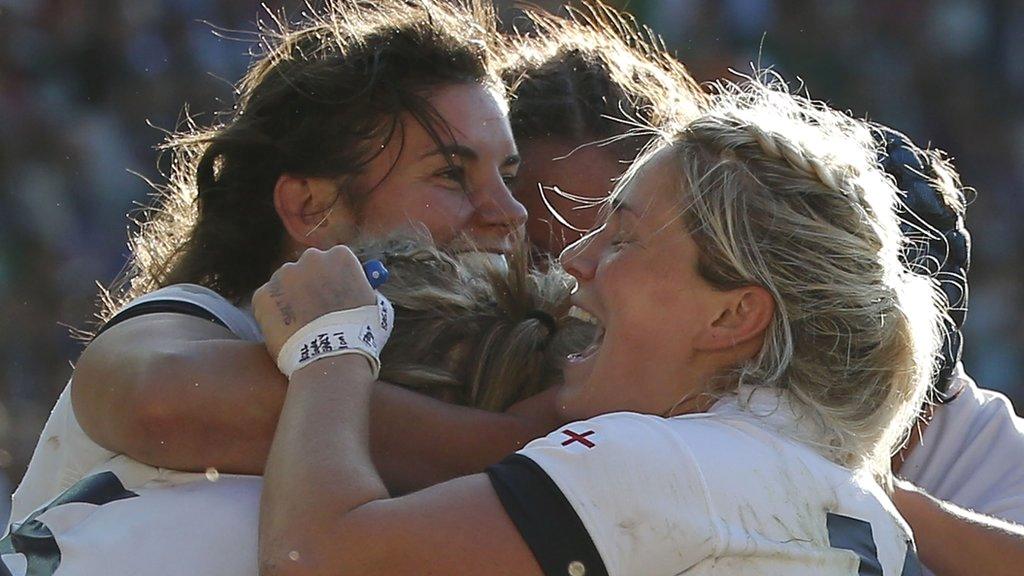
{"x":802,"y":159}
{"x":786,"y":194}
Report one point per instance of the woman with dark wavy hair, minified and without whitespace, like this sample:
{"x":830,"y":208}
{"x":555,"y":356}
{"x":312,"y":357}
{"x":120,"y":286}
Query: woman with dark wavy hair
{"x":364,"y":119}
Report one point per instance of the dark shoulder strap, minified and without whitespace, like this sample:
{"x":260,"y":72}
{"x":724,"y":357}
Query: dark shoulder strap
{"x":545,"y":518}
{"x":159,"y":306}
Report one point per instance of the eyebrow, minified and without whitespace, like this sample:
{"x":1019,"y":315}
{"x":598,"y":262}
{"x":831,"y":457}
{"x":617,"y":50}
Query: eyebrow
{"x":467,"y":153}
{"x":617,"y":205}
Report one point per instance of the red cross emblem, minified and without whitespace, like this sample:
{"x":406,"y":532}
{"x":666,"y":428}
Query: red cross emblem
{"x":577,"y":437}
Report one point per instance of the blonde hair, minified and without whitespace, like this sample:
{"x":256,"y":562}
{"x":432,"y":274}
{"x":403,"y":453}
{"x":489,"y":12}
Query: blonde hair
{"x":473,"y":333}
{"x":785,"y":193}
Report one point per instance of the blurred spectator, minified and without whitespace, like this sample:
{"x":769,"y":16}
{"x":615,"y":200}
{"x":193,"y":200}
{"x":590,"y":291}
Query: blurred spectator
{"x":85,"y":85}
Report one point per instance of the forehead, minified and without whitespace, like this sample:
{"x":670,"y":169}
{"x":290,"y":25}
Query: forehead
{"x":580,"y":168}
{"x":473,"y":112}
{"x":651,"y":188}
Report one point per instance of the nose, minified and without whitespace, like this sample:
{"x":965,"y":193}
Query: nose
{"x":578,"y":259}
{"x":496,"y":206}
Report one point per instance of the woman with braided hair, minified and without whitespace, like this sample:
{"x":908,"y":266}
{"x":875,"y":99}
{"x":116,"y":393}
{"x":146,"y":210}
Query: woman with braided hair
{"x":577,"y":85}
{"x":761,"y":349}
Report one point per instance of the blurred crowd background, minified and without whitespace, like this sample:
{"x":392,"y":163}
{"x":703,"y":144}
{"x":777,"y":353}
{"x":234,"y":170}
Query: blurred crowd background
{"x":87,"y":86}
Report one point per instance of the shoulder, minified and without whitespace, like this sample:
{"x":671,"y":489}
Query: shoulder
{"x":691,"y":447}
{"x":624,"y":498}
{"x":977,"y":419}
{"x":614,"y":449}
{"x":664,"y":495}
{"x":190,"y":300}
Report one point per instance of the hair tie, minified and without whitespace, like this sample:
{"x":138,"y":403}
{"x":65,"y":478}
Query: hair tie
{"x":546,"y":319}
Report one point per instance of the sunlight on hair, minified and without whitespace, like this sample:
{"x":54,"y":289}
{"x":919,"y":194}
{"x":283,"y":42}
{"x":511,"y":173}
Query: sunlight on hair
{"x":784,"y":192}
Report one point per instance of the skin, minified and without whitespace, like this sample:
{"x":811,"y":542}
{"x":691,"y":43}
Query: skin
{"x":954,"y":541}
{"x":166,"y":389}
{"x":623,"y":281}
{"x":588,"y":172}
{"x":943,"y":531}
{"x":325,"y":509}
{"x":459,"y":192}
{"x":179,"y":392}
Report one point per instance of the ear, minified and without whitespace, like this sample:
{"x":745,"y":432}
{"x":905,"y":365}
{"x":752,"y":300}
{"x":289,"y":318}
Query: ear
{"x":311,"y":211}
{"x":744,"y":317}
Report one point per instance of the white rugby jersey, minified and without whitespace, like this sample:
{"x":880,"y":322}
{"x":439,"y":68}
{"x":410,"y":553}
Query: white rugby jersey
{"x":971,"y":454}
{"x":727,"y":492}
{"x":64,"y":453}
{"x":129,"y":519}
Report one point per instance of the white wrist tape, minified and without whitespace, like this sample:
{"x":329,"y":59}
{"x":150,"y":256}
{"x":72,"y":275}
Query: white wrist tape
{"x":362,"y":331}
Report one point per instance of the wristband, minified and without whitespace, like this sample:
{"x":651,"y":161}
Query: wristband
{"x":363,"y":330}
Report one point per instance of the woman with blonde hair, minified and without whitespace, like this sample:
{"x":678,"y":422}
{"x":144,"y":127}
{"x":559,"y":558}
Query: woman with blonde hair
{"x":357,"y":121}
{"x":760,"y":352}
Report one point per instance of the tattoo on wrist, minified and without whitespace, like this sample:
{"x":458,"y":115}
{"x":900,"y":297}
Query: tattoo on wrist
{"x":287,"y":315}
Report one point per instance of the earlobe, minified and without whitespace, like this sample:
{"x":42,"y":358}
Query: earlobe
{"x":744,"y":317}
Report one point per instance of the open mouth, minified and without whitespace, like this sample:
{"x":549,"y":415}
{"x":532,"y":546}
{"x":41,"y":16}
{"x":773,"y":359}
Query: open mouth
{"x":594,"y":346}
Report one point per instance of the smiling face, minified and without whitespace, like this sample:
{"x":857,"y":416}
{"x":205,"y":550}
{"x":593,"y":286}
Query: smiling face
{"x":638,"y":277}
{"x":458,"y":190}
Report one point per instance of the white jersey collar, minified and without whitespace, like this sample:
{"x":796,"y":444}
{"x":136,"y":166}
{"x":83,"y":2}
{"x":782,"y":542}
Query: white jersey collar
{"x":776,"y":409}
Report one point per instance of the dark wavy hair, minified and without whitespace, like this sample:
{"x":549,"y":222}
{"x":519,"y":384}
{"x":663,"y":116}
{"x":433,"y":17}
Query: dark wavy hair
{"x":318,"y":101}
{"x":591,"y":76}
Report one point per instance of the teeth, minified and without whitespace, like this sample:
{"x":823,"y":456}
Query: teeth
{"x":581,"y":314}
{"x":484,"y":259}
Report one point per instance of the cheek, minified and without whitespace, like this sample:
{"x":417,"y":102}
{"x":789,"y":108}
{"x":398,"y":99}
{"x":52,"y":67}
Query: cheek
{"x":444,"y":213}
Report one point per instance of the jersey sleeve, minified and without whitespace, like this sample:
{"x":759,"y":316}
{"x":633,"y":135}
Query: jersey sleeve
{"x":192,"y":300}
{"x":970,"y":454}
{"x":617,"y":495}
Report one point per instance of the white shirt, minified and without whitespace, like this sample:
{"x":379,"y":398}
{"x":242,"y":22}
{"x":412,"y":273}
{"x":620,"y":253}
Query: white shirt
{"x":972,"y":454}
{"x":64,"y":453}
{"x":726,"y":492}
{"x":129,"y":519}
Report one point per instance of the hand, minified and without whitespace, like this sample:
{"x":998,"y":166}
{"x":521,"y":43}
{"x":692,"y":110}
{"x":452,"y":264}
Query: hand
{"x":302,"y":291}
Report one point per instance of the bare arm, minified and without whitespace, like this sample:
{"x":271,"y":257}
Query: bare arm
{"x":953,"y":541}
{"x":324,"y":506}
{"x":325,"y":510}
{"x":180,"y":392}
{"x":418,"y":441}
